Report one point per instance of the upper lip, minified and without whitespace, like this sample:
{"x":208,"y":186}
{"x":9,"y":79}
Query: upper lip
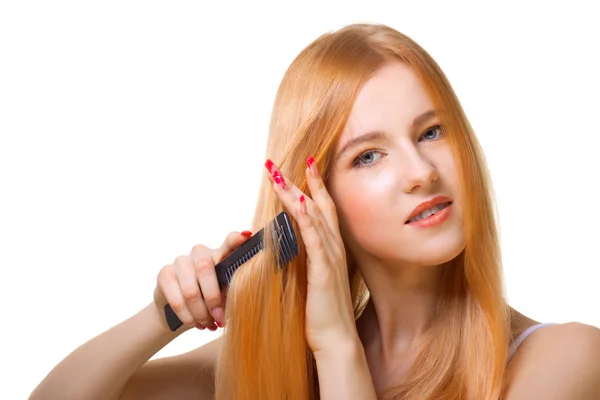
{"x":426,"y":205}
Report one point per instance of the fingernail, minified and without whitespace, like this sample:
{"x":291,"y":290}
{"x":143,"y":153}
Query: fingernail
{"x":269,"y":165}
{"x":279,"y":179}
{"x":212,"y":327}
{"x":200,"y":326}
{"x":246,"y":233}
{"x":217,"y":314}
{"x":302,"y":204}
{"x":310,"y":161}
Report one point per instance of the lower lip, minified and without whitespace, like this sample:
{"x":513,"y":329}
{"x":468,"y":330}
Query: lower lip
{"x":433,"y":220}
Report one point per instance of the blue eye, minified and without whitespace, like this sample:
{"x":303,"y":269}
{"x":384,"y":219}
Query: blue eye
{"x":433,"y":129}
{"x":365,"y":159}
{"x":368,"y":158}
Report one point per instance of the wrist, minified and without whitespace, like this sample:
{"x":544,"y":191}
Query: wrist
{"x":344,"y":372}
{"x":159,"y":322}
{"x":343,"y":349}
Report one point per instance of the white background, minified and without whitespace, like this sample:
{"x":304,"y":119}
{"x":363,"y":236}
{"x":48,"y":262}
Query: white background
{"x":132,"y":130}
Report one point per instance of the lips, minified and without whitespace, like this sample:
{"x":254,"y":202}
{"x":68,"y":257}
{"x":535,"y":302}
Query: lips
{"x":426,"y":205}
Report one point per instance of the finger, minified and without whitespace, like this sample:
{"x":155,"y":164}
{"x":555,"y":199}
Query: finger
{"x":321,"y":196}
{"x":200,"y":326}
{"x":313,"y":211}
{"x":190,"y":290}
{"x":277,"y":178}
{"x":232,"y":241}
{"x":290,"y":195}
{"x":315,"y":246}
{"x":206,"y":276}
{"x":169,"y":285}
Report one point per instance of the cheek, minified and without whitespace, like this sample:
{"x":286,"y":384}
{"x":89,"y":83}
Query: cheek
{"x":449,"y":176}
{"x":450,"y":181}
{"x":361,"y":202}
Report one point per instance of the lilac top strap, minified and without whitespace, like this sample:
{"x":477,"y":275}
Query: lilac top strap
{"x":519,"y":339}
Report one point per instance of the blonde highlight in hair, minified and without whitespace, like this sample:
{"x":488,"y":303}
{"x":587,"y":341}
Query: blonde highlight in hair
{"x":264,"y":353}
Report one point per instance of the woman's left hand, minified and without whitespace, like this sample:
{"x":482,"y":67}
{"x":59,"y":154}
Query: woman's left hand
{"x":329,"y":312}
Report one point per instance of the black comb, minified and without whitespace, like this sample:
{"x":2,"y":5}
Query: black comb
{"x":283,"y":237}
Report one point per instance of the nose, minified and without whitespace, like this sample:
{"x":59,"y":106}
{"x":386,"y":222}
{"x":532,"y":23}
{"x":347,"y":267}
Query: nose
{"x":419,"y":172}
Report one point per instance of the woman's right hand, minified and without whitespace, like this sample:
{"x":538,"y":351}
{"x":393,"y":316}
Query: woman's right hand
{"x":190,"y":285}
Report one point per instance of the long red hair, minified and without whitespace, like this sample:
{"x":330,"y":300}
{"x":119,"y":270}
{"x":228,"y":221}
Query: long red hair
{"x":264,"y":354}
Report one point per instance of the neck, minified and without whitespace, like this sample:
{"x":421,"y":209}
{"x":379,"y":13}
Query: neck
{"x":402,"y":301}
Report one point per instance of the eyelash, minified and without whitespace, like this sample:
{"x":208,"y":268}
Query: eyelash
{"x":356,"y":163}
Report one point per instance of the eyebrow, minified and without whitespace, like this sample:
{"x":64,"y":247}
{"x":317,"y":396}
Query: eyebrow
{"x":379,"y":135}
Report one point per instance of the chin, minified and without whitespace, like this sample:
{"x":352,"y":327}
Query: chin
{"x":427,"y":252}
{"x":428,"y":259}
{"x":443,"y":254}
{"x":408,"y":247}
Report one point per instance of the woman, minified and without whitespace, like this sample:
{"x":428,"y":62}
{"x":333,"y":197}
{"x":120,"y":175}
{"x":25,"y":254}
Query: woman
{"x":397,"y":291}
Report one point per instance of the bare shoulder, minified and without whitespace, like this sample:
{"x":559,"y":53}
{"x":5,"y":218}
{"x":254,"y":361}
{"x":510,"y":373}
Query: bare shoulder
{"x":189,"y":375}
{"x":557,"y":362}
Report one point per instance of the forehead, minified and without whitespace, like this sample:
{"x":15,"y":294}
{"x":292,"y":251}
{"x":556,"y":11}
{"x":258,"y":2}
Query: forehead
{"x":389,"y":101}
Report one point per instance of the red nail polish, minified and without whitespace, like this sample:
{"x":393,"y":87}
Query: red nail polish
{"x":310,"y":161}
{"x":246,"y":233}
{"x":269,"y":165}
{"x":302,"y":199}
{"x":279,"y":179}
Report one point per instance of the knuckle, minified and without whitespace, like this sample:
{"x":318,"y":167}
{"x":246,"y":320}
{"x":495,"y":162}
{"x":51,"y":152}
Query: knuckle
{"x":320,"y":245}
{"x":310,"y":204}
{"x":198,"y":248}
{"x":161,"y":274}
{"x":231,"y":238}
{"x":320,"y":224}
{"x":204,"y":264}
{"x":317,"y":244}
{"x":319,"y":184}
{"x":180,"y":261}
{"x":164,"y":275}
{"x":308,"y":221}
{"x":190,"y":294}
{"x":212,"y":299}
{"x":337,"y":250}
{"x":178,"y":307}
{"x":330,"y":206}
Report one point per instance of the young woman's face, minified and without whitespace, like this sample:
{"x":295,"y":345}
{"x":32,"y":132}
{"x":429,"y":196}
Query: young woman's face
{"x":377,"y":182}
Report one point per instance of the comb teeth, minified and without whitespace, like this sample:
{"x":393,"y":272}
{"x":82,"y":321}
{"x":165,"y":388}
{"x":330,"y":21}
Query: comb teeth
{"x":253,"y":251}
{"x":289,"y":253}
{"x":284,"y":240}
{"x":286,"y":253}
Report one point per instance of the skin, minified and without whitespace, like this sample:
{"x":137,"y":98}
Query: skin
{"x":376,"y":184}
{"x":373,"y":187}
{"x":362,"y":210}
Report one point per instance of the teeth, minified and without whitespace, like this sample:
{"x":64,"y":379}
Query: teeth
{"x":430,"y":212}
